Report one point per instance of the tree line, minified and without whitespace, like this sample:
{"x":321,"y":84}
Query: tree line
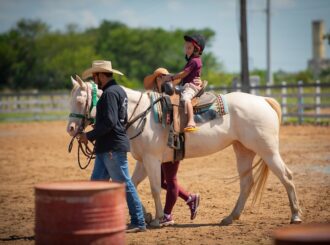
{"x":34,"y":57}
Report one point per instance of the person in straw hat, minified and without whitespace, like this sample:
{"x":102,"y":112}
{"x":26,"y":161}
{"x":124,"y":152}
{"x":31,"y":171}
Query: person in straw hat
{"x":111,"y":141}
{"x":169,"y":170}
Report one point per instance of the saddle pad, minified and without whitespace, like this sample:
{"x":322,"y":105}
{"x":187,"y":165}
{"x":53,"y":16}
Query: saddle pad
{"x":202,"y":114}
{"x":218,"y":108}
{"x":156,"y":108}
{"x":222,"y":105}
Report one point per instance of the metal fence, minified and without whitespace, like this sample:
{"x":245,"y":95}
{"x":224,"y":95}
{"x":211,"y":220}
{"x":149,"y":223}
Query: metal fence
{"x":300,"y":103}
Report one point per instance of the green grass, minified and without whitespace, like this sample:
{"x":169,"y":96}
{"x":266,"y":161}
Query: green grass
{"x":43,"y":116}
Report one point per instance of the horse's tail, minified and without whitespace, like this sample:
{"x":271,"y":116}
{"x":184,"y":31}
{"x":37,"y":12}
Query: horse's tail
{"x":276,"y":106}
{"x":260,"y":177}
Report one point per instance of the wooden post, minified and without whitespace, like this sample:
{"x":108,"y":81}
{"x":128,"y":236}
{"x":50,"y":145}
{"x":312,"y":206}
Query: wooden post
{"x":284,"y":102}
{"x":317,"y":101}
{"x":300,"y":102}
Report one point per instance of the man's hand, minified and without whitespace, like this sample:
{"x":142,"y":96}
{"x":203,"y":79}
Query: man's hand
{"x":83,"y":138}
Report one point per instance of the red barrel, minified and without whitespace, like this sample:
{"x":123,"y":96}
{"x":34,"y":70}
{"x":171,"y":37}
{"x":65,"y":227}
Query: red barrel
{"x":302,"y":234}
{"x":80,"y":212}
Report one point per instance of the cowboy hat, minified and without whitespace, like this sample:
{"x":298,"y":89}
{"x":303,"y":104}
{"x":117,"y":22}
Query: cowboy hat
{"x":100,"y":66}
{"x":149,"y":80}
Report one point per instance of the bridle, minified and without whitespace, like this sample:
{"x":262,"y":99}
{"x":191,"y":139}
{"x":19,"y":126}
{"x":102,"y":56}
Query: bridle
{"x":86,"y":117}
{"x":87,"y":113}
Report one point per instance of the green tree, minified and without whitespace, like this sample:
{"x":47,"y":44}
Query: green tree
{"x":35,"y":57}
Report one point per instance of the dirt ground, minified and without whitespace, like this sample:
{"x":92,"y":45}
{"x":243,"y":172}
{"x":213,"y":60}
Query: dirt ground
{"x":37,"y":152}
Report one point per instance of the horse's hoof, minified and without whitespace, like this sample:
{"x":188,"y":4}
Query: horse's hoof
{"x":148,"y":218}
{"x":295,"y":220}
{"x":226,"y":221}
{"x":155,"y":223}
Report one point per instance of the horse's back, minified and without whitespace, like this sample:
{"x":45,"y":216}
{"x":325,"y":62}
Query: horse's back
{"x":250,"y":107}
{"x":252,"y":119}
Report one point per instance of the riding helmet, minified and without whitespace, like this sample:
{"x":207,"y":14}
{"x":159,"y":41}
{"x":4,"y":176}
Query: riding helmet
{"x":197,"y":40}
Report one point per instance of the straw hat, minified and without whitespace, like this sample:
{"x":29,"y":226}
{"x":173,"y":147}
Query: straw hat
{"x":100,"y":66}
{"x":149,"y":80}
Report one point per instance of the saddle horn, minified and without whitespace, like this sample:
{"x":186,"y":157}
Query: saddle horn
{"x":167,"y":88}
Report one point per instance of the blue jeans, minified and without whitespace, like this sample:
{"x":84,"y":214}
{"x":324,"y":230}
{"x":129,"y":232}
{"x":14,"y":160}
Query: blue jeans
{"x":114,"y":165}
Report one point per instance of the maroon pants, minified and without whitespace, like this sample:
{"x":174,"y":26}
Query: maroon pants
{"x":170,"y":184}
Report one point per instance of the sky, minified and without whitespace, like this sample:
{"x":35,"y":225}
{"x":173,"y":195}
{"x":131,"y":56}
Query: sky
{"x":291,"y":23}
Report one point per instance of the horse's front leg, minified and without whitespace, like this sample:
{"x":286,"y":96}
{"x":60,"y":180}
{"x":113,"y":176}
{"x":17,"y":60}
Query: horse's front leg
{"x":152,"y":166}
{"x":138,"y":176}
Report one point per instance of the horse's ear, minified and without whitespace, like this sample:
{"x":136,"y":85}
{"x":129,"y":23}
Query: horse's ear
{"x":81,"y":82}
{"x":74,"y":82}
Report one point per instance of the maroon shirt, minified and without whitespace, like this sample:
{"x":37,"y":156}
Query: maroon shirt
{"x":194,"y":69}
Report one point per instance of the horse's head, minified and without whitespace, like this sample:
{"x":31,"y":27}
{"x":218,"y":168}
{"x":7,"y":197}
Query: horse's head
{"x":82,"y":105}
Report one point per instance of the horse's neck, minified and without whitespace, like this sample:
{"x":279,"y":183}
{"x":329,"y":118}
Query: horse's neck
{"x":136,"y":99}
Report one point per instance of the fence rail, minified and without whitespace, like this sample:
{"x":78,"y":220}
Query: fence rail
{"x":300,"y":103}
{"x":29,"y":106}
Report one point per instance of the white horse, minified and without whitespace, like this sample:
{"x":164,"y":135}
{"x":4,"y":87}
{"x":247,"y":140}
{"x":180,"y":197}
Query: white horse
{"x":252,"y":127}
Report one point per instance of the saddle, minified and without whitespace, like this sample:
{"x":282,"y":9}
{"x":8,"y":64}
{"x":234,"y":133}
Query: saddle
{"x":200,"y":102}
{"x":171,"y":111}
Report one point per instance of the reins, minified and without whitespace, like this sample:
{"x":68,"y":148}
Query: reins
{"x":142,"y":117}
{"x":86,"y":151}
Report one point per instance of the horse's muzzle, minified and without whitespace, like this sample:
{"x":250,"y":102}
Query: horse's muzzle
{"x":71,"y":128}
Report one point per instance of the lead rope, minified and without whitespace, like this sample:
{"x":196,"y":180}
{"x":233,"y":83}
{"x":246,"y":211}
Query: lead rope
{"x":86,"y":151}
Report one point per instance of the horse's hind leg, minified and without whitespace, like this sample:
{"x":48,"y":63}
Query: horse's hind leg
{"x":279,"y":168}
{"x":244,"y":159}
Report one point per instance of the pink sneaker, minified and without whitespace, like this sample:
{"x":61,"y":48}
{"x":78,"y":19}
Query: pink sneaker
{"x":193,"y":203}
{"x":166,"y":220}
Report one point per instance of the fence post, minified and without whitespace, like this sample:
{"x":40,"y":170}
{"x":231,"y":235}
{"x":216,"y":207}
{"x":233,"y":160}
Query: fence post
{"x":284,"y":102}
{"x":252,"y":87}
{"x":300,"y":102}
{"x":318,"y":101}
{"x":236,"y":85}
{"x":268,"y":90}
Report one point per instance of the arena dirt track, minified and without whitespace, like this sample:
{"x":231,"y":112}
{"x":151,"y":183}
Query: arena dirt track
{"x":37,"y":152}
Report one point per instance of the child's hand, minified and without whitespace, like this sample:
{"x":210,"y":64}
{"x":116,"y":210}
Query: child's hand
{"x":198,"y":82}
{"x":167,"y":78}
